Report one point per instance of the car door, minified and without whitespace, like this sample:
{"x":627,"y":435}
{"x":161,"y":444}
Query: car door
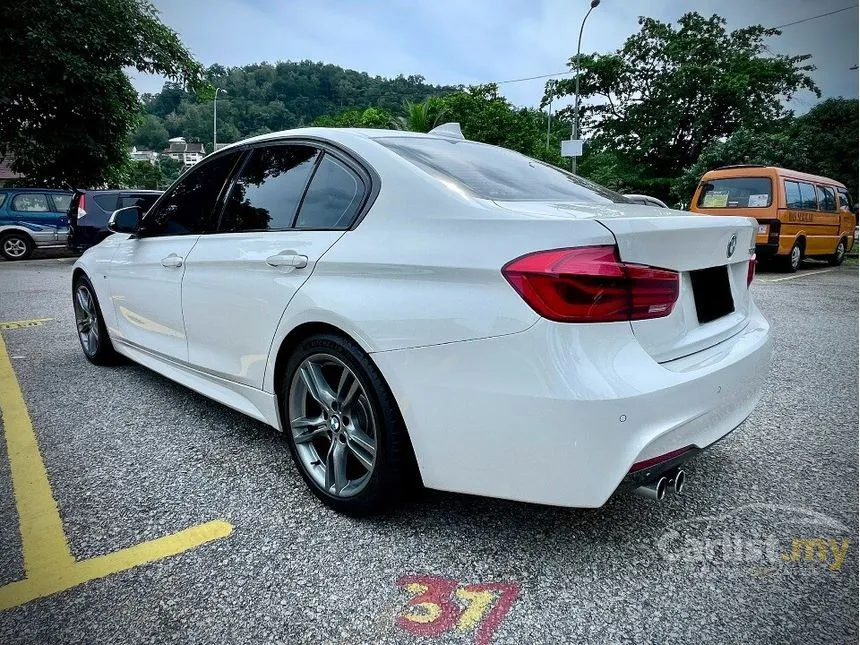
{"x":827,"y":234}
{"x":146,"y":269}
{"x":289,"y":204}
{"x":34,"y":212}
{"x":60,"y":207}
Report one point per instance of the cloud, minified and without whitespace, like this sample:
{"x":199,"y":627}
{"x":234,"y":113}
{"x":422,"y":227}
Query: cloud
{"x":458,"y":41}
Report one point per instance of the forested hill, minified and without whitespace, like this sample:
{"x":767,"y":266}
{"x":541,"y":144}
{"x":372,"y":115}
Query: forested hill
{"x":267,"y":97}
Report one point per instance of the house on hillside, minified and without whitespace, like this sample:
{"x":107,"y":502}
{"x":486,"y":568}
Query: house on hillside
{"x":143,"y":155}
{"x":7,"y":176}
{"x":187,"y":154}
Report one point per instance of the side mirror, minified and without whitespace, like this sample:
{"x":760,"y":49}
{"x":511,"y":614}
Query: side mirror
{"x":125,"y":220}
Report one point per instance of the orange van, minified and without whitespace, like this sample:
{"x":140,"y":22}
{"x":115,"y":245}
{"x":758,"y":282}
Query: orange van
{"x":799,"y":215}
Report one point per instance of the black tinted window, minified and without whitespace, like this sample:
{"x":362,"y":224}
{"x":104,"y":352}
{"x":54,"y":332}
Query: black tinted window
{"x":107,"y":201}
{"x":807,"y":196}
{"x":190,"y":205}
{"x":735,"y":192}
{"x":333,"y":198}
{"x":826,"y":198}
{"x":143,"y":201}
{"x":269,"y":188}
{"x":496,"y":173}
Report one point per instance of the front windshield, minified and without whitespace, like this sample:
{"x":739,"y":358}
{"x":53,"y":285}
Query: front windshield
{"x":490,"y":172}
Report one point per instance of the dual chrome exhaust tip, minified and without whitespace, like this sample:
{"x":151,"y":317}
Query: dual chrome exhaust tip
{"x":673,"y":480}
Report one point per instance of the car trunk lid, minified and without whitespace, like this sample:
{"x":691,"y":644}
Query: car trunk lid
{"x":711,"y":254}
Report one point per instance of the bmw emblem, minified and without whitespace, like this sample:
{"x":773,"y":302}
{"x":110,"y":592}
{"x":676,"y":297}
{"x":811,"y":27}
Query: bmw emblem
{"x":730,"y":249}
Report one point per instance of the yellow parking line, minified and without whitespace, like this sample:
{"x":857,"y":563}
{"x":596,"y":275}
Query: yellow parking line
{"x":18,"y":324}
{"x":48,"y":562}
{"x":799,"y":275}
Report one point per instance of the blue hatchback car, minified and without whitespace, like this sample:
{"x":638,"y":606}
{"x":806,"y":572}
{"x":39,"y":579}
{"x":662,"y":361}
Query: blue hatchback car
{"x":31,"y":218}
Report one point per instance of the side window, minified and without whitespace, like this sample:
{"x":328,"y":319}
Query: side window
{"x":792,"y":195}
{"x":845,"y":202}
{"x":2,"y":199}
{"x":269,"y":188}
{"x":807,"y":196}
{"x":30,"y":202}
{"x":333,"y":198}
{"x":189,"y":208}
{"x":144,"y":201}
{"x":61,"y":202}
{"x":826,"y":198}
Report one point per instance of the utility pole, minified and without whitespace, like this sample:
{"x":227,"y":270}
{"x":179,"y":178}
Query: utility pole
{"x":215,"y":117}
{"x":575,"y":133}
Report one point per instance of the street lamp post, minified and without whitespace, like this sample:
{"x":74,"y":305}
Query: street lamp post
{"x":575,"y":132}
{"x":215,"y":117}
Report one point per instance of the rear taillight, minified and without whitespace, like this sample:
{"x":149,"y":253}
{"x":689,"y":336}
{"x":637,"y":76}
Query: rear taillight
{"x":591,"y":284}
{"x":751,"y":270}
{"x":82,"y":202}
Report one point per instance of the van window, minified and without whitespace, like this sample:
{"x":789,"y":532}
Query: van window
{"x":807,"y":197}
{"x":792,"y":195}
{"x":826,"y":198}
{"x":845,"y":202}
{"x":736,"y":192}
{"x":107,"y":201}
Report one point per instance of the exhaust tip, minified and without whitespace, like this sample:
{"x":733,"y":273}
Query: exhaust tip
{"x":655,"y":490}
{"x":679,"y":481}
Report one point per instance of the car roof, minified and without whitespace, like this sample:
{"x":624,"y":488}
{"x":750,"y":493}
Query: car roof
{"x":9,"y":189}
{"x":749,"y":170}
{"x":336,"y":135}
{"x":106,"y":191}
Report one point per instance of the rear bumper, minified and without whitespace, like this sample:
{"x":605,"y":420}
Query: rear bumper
{"x":559,"y":414}
{"x":765,"y":251}
{"x":83,"y":237}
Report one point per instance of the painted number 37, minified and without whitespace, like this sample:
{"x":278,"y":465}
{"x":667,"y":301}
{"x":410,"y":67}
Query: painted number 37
{"x":439,"y":605}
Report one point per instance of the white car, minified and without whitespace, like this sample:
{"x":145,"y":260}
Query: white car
{"x":418,"y":308}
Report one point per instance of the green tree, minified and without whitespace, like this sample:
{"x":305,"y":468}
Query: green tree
{"x":169,"y":170}
{"x":150,"y":134}
{"x":671,"y":91}
{"x":829,"y":135}
{"x":356,"y":118}
{"x":66,"y":105}
{"x":142,"y":174}
{"x":423,"y":116}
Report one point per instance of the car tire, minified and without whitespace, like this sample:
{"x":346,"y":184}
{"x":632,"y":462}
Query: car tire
{"x":92,"y":331}
{"x":344,"y":428}
{"x":792,"y":262}
{"x":838,"y":256}
{"x":16,"y":246}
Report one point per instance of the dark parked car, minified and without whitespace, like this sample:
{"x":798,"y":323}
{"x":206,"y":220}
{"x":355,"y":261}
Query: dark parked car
{"x":30,"y":218}
{"x":90,"y":210}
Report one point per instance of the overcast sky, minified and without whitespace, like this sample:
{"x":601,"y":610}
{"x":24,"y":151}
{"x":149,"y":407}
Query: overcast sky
{"x":474,"y":41}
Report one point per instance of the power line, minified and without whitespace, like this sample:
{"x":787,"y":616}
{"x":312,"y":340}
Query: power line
{"x":788,"y":24}
{"x":821,"y":15}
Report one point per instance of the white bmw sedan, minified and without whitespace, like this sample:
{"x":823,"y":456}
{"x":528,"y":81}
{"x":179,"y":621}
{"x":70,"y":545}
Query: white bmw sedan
{"x":419,"y":308}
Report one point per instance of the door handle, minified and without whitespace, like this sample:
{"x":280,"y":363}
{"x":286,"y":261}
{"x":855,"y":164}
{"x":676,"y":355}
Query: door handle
{"x":288,"y":259}
{"x":171,"y":261}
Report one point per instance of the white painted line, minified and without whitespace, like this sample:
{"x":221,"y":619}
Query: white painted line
{"x":800,"y":275}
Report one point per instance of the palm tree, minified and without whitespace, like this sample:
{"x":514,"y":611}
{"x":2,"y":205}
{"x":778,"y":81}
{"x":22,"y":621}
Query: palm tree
{"x":420,"y":117}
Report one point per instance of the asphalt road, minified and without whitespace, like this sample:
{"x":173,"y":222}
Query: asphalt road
{"x":132,"y":457}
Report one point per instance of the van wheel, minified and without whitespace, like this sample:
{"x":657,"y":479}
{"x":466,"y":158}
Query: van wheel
{"x":792,"y":262}
{"x":16,"y":246}
{"x":839,"y":254}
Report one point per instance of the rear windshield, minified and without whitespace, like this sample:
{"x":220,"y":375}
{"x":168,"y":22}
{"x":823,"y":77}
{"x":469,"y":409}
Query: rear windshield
{"x":107,"y":201}
{"x":490,"y":172}
{"x":736,"y":192}
{"x":143,"y":201}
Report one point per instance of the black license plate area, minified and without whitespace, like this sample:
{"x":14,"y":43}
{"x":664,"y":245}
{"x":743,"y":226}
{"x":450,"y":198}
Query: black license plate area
{"x":712,"y":293}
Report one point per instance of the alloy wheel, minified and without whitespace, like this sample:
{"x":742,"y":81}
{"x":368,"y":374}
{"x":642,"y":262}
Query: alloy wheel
{"x":87,"y":319}
{"x":14,"y":247}
{"x":332,"y":425}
